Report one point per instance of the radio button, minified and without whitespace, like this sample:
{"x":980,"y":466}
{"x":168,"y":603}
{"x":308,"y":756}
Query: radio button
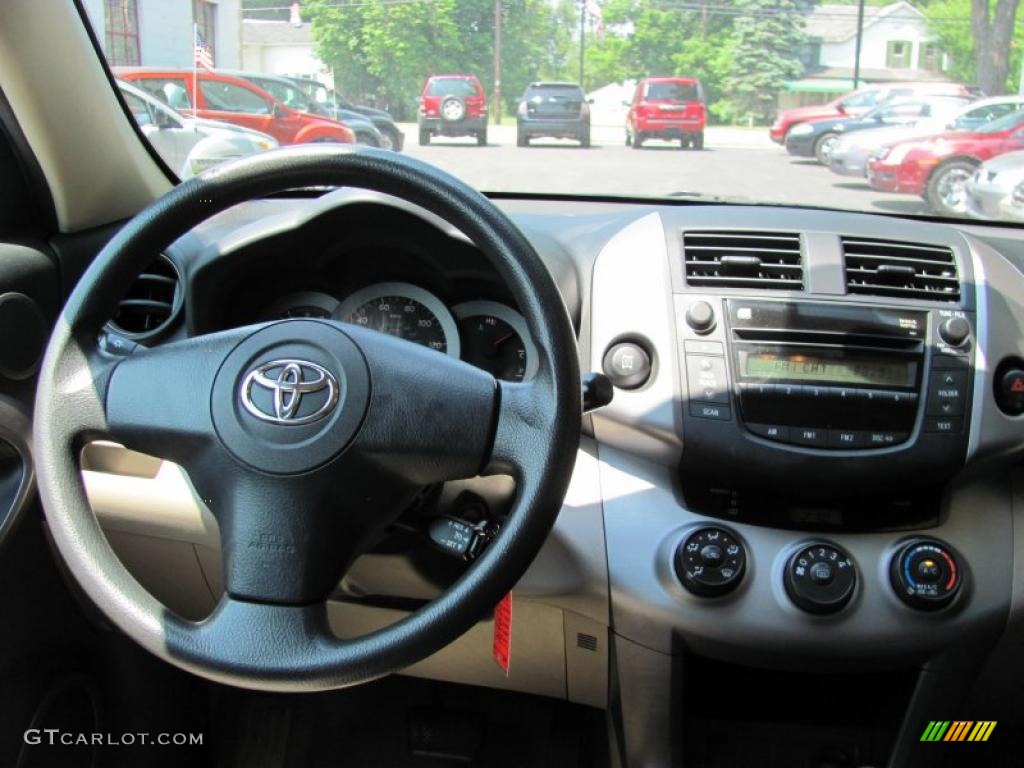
{"x":943,"y":426}
{"x":776,"y":432}
{"x":811,"y":436}
{"x":847,"y":438}
{"x":706,"y":378}
{"x":956,"y":362}
{"x":882,"y":439}
{"x":947,"y":393}
{"x":711,"y":411}
{"x":700,"y":347}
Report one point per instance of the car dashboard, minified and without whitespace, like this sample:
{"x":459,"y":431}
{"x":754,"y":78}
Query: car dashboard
{"x":809,"y":471}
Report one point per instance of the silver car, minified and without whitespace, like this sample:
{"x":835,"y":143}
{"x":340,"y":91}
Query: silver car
{"x":992,"y":185}
{"x":190,"y":145}
{"x":849,"y":155}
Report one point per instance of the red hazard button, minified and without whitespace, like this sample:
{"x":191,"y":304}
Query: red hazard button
{"x":1010,"y":391}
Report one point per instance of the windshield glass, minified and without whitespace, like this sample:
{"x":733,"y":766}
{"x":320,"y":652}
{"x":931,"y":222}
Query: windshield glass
{"x":652,"y":99}
{"x":676,"y":92}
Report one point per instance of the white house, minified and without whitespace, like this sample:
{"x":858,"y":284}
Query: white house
{"x":159,"y":33}
{"x":896,"y":43}
{"x":280,"y":48}
{"x":896,"y":46}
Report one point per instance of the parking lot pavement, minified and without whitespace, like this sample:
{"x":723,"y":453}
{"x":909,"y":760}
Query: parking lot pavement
{"x":737,"y":164}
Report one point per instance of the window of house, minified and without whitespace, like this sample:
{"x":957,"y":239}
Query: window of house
{"x":810,"y":53}
{"x":204,"y":13}
{"x":930,"y":57}
{"x":122,"y":32}
{"x":897,"y":54}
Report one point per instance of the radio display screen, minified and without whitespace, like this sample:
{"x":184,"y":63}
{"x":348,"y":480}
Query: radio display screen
{"x":807,"y":366}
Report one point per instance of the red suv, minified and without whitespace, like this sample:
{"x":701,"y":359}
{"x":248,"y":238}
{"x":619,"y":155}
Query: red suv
{"x":453,"y":105}
{"x":667,"y":108}
{"x":216,"y":96}
{"x":938,"y":167}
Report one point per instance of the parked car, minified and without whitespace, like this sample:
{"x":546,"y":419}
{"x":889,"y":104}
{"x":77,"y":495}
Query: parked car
{"x":233,"y":100}
{"x":289,"y":94}
{"x":453,"y":105}
{"x":817,"y":137}
{"x":938,"y":167}
{"x":667,"y":108}
{"x":190,"y":145}
{"x":849,"y":156}
{"x":1012,"y":206}
{"x":860,"y":101}
{"x":330,"y":100}
{"x":558,"y":110}
{"x":992,"y":184}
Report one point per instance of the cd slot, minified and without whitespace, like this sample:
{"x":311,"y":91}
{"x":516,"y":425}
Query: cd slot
{"x":844,"y":339}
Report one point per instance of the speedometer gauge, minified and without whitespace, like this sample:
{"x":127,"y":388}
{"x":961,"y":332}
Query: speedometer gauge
{"x":495,"y":338}
{"x":405,"y":311}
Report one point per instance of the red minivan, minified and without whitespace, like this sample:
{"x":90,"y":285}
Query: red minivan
{"x":216,"y":96}
{"x":453,"y":105}
{"x":667,"y":108}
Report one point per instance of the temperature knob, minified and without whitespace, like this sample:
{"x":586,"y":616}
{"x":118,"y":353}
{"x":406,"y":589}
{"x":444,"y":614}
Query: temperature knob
{"x":925,"y":574}
{"x":820,"y":578}
{"x":711,"y":561}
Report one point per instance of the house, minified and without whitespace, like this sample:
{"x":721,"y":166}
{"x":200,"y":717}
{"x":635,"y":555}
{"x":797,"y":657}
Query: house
{"x":280,"y":47}
{"x":896,"y":46}
{"x":159,"y":33}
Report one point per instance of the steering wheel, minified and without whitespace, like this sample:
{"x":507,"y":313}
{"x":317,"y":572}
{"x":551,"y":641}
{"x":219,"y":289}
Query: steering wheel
{"x":306,"y":438}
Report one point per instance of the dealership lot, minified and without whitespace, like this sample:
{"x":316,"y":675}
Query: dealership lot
{"x":734,"y":159}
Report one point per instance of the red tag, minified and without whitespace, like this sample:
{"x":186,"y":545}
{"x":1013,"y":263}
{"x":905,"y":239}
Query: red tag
{"x":502,"y":646}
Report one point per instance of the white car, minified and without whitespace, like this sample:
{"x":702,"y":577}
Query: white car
{"x":1011,"y":207}
{"x":190,"y":145}
{"x":849,"y":155}
{"x":990,"y":190}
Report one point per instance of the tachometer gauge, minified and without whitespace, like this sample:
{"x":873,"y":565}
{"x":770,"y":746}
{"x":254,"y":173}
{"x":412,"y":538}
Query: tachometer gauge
{"x":301,"y":304}
{"x":495,"y":338}
{"x":403,"y":310}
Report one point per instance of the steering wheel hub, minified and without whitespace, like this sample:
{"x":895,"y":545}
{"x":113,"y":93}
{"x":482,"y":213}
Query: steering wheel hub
{"x":291,"y":397}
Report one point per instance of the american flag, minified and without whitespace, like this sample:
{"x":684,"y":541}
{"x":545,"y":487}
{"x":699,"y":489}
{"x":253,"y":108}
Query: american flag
{"x":203,"y":54}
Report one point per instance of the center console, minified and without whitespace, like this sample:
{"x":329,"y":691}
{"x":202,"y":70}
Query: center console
{"x":783,"y":467}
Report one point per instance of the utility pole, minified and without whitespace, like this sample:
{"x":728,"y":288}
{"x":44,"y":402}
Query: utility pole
{"x":497,"y":61}
{"x":860,"y":37}
{"x":583,"y":34}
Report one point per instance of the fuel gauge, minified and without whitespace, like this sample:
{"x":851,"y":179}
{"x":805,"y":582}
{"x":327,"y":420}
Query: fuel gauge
{"x":495,"y":338}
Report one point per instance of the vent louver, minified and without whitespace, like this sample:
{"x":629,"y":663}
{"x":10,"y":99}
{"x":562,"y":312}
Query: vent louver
{"x":734,"y":259}
{"x":900,"y":270}
{"x":151,"y":303}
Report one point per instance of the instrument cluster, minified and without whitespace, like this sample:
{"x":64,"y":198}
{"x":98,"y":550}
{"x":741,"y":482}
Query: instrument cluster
{"x":487,"y":334}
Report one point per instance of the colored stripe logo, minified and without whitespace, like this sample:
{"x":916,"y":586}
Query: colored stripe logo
{"x":958,"y":730}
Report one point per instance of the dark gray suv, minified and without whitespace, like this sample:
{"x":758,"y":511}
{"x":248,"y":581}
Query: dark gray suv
{"x":558,"y":110}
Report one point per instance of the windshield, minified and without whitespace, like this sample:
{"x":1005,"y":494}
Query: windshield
{"x":675,"y":92}
{"x":637,"y":99}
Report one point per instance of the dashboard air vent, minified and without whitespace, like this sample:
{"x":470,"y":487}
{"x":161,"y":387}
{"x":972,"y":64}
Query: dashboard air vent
{"x":900,"y":270}
{"x":736,"y":259}
{"x":152,"y":301}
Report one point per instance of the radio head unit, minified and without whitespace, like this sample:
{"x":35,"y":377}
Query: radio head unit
{"x":820,"y":389}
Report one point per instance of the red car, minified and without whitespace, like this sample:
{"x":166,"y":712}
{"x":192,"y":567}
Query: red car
{"x":453,"y":105}
{"x":216,"y":96}
{"x":938,"y":167}
{"x":667,"y":108}
{"x":860,"y":101}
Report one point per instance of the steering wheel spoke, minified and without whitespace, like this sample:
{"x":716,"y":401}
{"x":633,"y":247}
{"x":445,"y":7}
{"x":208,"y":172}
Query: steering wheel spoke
{"x":154,"y":398}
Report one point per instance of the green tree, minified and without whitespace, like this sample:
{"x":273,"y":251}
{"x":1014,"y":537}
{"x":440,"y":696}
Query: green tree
{"x":385,"y":49}
{"x":767,"y":40}
{"x":953,"y":23}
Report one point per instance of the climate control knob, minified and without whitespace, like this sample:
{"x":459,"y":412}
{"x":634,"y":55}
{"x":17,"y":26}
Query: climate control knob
{"x":711,"y":561}
{"x":925,"y":574}
{"x":820,"y":578}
